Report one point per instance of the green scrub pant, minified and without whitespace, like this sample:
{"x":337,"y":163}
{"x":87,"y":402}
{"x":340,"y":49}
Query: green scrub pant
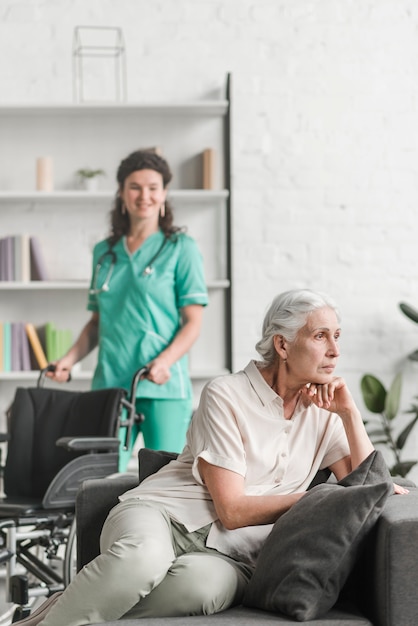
{"x":149,"y":566}
{"x":164,"y":428}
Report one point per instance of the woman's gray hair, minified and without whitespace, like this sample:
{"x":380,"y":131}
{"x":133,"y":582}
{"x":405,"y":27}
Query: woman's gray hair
{"x":286,"y":315}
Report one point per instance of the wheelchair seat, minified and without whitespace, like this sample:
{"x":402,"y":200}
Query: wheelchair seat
{"x":56,"y":440}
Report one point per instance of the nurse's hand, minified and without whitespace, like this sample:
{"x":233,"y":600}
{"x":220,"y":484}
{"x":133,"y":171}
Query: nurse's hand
{"x":159,"y":371}
{"x":61,"y":372}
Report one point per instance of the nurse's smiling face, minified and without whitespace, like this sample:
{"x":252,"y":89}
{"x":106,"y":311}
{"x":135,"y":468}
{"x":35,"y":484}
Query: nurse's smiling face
{"x":143,"y":195}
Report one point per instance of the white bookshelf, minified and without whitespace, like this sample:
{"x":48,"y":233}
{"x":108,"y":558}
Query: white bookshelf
{"x":68,"y":221}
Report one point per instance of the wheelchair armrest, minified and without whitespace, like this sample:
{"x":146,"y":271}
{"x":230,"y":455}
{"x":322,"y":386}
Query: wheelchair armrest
{"x":88,"y":444}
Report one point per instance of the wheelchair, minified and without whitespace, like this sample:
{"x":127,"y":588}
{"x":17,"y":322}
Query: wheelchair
{"x":56,"y":440}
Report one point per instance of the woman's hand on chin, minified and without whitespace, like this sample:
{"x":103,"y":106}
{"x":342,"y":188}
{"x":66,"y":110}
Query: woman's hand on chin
{"x":333,"y":396}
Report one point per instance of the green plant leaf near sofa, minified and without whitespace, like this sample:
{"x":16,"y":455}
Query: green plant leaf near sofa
{"x":386,"y":404}
{"x":411,"y":313}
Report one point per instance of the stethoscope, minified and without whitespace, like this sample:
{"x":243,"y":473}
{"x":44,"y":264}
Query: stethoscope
{"x":113,"y":258}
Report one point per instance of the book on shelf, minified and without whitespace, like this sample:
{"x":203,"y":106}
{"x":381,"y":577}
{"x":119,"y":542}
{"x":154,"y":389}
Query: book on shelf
{"x":208,"y":168}
{"x":36,"y":347}
{"x":7,"y":341}
{"x":22,"y":269}
{"x":57,"y":341}
{"x":14,"y":347}
{"x":1,"y":347}
{"x":25,"y":361}
{"x":21,"y":259}
{"x":38,"y":268}
{"x":2,"y":266}
{"x":7,"y":258}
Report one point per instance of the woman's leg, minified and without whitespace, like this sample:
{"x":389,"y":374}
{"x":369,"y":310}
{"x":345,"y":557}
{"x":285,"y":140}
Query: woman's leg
{"x":137,"y":551}
{"x":166,"y":423}
{"x":201,"y":581}
{"x":196,"y":584}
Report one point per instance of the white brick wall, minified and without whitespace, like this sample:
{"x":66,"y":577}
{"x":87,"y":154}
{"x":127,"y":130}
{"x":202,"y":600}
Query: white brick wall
{"x":325,"y":152}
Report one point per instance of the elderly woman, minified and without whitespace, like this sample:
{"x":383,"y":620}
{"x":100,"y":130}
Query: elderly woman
{"x":184,"y":542}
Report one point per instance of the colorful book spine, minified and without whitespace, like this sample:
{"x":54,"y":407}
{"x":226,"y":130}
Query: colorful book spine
{"x":24,"y":347}
{"x":1,"y":347}
{"x":57,"y":341}
{"x":36,"y":345}
{"x":38,"y":266}
{"x":25,"y":362}
{"x":21,"y":259}
{"x":15,"y":349}
{"x":8,"y":258}
{"x":7,"y":347}
{"x":22,"y":266}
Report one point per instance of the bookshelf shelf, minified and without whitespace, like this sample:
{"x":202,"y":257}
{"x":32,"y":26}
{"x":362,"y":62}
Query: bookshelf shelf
{"x":76,"y":285}
{"x":85,"y":375}
{"x":160,"y":109}
{"x":33,"y":375}
{"x":44,"y":197}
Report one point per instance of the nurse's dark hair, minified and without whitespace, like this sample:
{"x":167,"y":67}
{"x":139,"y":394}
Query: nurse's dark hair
{"x":286,"y":315}
{"x":119,"y":219}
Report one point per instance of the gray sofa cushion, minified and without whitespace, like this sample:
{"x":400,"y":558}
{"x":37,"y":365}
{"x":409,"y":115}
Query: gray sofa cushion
{"x":312,"y":548}
{"x":240,"y":616}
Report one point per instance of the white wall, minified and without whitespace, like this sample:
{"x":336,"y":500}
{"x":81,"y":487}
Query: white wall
{"x":325,"y":152}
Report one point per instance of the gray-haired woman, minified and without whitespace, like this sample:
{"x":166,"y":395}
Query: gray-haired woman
{"x":184,"y":542}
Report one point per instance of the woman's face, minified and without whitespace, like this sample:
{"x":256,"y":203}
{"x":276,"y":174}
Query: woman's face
{"x":143,"y":194}
{"x":313,"y":355}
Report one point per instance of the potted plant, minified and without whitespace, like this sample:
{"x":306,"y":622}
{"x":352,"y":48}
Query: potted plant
{"x":385,"y":403}
{"x":88,"y":178}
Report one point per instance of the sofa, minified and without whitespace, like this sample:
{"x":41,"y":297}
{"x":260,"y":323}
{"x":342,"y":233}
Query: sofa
{"x":382,"y":589}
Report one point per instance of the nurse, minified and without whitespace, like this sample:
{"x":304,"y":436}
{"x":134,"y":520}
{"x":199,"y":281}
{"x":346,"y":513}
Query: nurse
{"x":146,"y":296}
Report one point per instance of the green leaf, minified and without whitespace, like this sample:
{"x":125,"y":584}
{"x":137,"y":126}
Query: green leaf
{"x":393,"y":397}
{"x":412,"y":409}
{"x":402,"y":468}
{"x":403,"y":436}
{"x":374,"y":393}
{"x":413,"y":356}
{"x":409,"y":311}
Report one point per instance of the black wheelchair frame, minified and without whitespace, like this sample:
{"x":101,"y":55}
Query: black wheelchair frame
{"x":56,"y":440}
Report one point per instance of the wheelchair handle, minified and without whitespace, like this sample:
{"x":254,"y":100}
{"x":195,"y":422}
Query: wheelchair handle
{"x":49,"y":368}
{"x":130,"y":404}
{"x":143,"y":371}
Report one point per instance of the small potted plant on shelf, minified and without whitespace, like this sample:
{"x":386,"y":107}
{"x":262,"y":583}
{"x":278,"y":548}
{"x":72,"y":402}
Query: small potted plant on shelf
{"x":89,"y":178}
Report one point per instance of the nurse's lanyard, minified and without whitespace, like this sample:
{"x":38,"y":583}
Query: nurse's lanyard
{"x":113,"y":258}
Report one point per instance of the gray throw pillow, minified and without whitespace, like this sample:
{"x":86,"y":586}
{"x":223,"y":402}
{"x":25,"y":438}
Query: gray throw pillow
{"x":150,"y":461}
{"x":312,"y":548}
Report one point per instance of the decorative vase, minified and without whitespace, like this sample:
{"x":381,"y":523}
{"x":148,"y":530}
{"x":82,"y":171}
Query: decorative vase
{"x":91,"y":184}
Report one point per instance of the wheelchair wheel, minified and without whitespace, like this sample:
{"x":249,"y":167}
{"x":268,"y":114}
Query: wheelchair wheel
{"x":70,"y":556}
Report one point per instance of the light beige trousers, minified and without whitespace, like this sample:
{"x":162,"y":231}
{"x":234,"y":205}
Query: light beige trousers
{"x":149,"y":566}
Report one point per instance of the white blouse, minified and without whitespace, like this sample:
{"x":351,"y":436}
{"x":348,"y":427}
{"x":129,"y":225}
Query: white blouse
{"x":240,"y":426}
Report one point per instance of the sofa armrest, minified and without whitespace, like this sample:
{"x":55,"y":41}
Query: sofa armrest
{"x":94,"y":500}
{"x":393,"y":563}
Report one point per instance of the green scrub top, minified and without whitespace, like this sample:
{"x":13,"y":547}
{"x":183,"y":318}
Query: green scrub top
{"x":140,"y":311}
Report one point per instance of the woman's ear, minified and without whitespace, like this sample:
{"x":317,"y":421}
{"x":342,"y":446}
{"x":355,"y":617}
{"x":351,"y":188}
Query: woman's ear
{"x":280,"y":345}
